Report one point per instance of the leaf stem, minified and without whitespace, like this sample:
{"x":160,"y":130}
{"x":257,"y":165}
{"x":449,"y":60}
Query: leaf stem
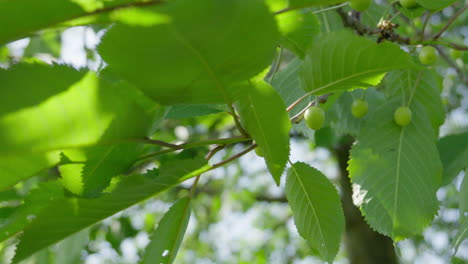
{"x":214,"y":151}
{"x":238,"y":155}
{"x":237,"y":122}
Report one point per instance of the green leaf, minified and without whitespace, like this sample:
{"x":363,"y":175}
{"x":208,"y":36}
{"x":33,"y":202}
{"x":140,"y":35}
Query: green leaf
{"x":316,"y":208}
{"x":69,"y":215}
{"x":35,"y":201}
{"x":340,"y":116}
{"x":453,"y":150}
{"x":342,"y":61}
{"x":167,"y":238}
{"x":27,"y":16}
{"x":217,"y":44}
{"x":371,"y":17}
{"x":464,"y":194}
{"x":287,"y":84}
{"x":186,"y":111}
{"x":411,"y":12}
{"x":422,"y":86}
{"x":70,"y":250}
{"x":42,"y":118}
{"x":435,"y":5}
{"x":105,"y":162}
{"x":264,"y":116}
{"x":396,"y":172}
{"x":306,"y":3}
{"x":298,"y":28}
{"x":462,"y":233}
{"x":330,"y":21}
{"x":49,"y":43}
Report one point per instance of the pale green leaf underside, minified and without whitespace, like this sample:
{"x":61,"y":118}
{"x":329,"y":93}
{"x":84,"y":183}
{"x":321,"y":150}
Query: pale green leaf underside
{"x":342,"y":61}
{"x":453,"y":151}
{"x":215,"y":43}
{"x":167,"y":238}
{"x":316,"y":207}
{"x":396,"y":172}
{"x":69,"y":215}
{"x":263,"y":113}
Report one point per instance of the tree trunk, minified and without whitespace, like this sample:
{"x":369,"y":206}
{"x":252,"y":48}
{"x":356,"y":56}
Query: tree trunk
{"x":363,"y":245}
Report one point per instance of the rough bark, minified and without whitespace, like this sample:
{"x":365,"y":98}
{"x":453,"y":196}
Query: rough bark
{"x":363,"y":245}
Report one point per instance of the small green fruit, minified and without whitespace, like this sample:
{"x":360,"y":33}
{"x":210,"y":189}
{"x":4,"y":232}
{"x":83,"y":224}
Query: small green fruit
{"x":428,"y":55}
{"x":408,"y":3}
{"x":402,"y":116}
{"x":314,"y":117}
{"x":259,"y":151}
{"x":360,"y":5}
{"x":359,"y":108}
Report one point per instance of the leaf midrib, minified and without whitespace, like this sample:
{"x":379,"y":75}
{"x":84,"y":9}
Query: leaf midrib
{"x":312,"y":207}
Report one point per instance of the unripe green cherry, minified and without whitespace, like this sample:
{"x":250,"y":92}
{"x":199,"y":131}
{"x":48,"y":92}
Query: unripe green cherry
{"x":314,"y":117}
{"x":428,"y":55}
{"x":259,"y":151}
{"x":408,"y":3}
{"x":402,"y":116}
{"x":359,"y":108}
{"x":360,"y":5}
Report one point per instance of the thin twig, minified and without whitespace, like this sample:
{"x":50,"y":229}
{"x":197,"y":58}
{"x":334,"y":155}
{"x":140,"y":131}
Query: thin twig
{"x":238,"y":155}
{"x":298,"y":117}
{"x":276,"y":66}
{"x":214,"y":151}
{"x":188,"y":145}
{"x":451,"y":20}
{"x":426,"y":21}
{"x":237,"y":122}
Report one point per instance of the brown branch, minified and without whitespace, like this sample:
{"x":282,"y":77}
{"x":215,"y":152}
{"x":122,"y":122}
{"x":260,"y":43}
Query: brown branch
{"x":214,"y":151}
{"x":451,"y":20}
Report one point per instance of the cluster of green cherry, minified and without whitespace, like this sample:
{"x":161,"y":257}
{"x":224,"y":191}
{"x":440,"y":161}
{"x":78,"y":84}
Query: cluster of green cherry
{"x":315,"y":115}
{"x":361,"y":5}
